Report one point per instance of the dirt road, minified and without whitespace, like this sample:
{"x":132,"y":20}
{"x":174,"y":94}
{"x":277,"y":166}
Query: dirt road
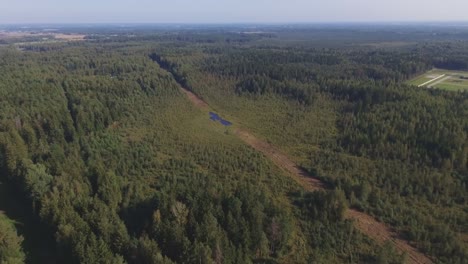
{"x":428,"y":82}
{"x":368,"y":225}
{"x":281,"y":160}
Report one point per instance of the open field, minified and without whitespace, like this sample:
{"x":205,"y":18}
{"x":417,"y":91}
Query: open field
{"x":442,"y":79}
{"x":69,"y":37}
{"x":43,"y":35}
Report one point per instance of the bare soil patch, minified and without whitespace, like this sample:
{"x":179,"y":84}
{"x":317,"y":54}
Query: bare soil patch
{"x":381,"y":233}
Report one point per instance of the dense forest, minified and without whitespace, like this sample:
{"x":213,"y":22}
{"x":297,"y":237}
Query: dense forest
{"x":109,"y":158}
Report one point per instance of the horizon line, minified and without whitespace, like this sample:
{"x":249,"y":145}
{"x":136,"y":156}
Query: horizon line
{"x":240,"y":22}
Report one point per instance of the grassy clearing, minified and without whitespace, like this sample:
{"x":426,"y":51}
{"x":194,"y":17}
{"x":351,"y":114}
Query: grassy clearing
{"x":457,"y":80}
{"x":454,"y":84}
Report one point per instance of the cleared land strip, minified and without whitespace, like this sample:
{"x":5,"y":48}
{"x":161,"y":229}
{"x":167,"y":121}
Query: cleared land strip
{"x":436,"y":78}
{"x":367,"y":224}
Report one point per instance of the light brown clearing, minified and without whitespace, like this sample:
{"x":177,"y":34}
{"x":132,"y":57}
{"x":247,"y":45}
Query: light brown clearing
{"x":70,"y":37}
{"x":57,"y":36}
{"x":367,"y":224}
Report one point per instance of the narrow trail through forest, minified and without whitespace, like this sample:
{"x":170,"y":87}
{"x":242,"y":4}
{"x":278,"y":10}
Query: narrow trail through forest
{"x":367,"y":224}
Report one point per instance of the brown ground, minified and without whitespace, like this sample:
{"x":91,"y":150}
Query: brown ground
{"x":367,"y":224}
{"x":301,"y":176}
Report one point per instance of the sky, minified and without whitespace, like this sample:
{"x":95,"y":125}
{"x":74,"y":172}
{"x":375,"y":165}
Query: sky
{"x":230,"y":11}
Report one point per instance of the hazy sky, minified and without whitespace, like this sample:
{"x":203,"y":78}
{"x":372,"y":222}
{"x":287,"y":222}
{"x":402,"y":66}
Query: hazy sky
{"x":227,"y":11}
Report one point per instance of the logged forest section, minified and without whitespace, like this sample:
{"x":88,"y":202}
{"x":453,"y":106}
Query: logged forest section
{"x":365,"y":223}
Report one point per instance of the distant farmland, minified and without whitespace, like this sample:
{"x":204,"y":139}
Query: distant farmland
{"x":41,"y":35}
{"x":442,"y":79}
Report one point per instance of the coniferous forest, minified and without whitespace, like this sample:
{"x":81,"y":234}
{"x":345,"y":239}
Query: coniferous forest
{"x":103,"y":158}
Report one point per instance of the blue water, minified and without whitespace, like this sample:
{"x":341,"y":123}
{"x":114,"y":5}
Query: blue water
{"x":215,"y":117}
